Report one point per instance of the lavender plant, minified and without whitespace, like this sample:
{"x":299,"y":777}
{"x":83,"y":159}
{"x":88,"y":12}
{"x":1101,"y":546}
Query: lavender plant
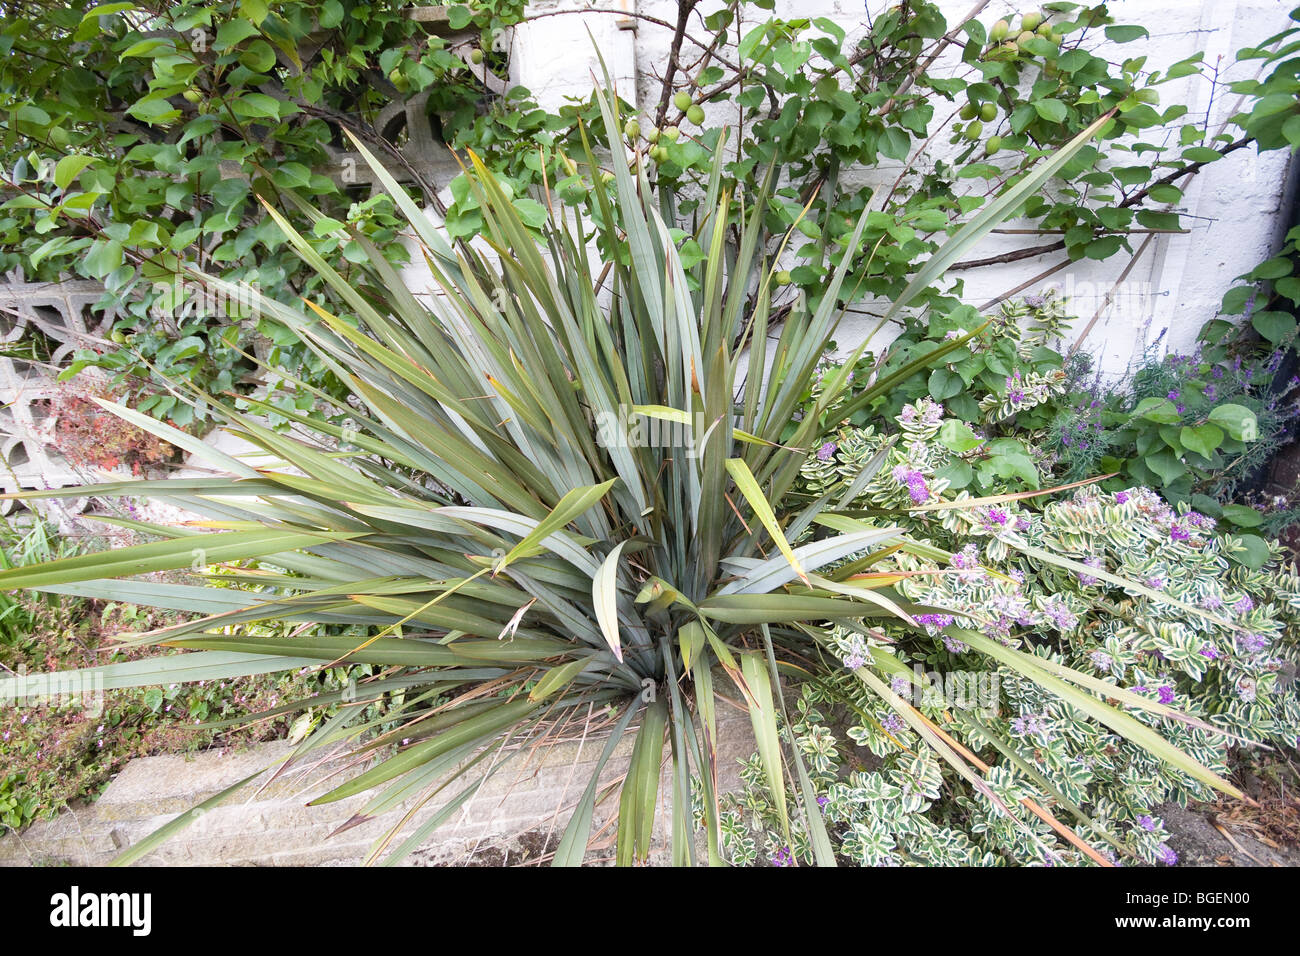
{"x":1195,"y":426}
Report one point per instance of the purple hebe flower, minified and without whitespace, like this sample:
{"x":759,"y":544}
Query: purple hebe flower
{"x":1092,"y":561}
{"x":827,"y":451}
{"x":1166,"y":855}
{"x":1030,"y":725}
{"x":783,"y":857}
{"x":1165,"y":694}
{"x":1061,"y":616}
{"x":1252,"y":643}
{"x":914,"y":481}
{"x":1146,"y":823}
{"x":966,"y":559}
{"x":934,"y":620}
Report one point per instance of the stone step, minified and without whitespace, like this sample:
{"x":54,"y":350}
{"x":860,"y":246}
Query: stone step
{"x":519,"y":810}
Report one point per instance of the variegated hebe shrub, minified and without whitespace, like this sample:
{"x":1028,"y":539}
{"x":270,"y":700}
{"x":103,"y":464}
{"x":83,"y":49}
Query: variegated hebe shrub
{"x":1151,"y":601}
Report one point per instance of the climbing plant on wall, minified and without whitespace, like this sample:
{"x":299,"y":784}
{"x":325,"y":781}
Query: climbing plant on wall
{"x":982,"y":98}
{"x":139,"y":137}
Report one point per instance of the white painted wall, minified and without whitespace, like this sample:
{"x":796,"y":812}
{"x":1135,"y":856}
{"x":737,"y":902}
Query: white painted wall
{"x":1231,"y":207}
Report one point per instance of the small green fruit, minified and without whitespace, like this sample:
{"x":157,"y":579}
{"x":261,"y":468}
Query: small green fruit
{"x":476,"y":55}
{"x":696,"y":114}
{"x":652,"y":134}
{"x":989,"y":112}
{"x":969,"y":111}
{"x":1030,"y":21}
{"x":782,"y":277}
{"x":193,"y":95}
{"x":1044,"y":30}
{"x":118,"y":336}
{"x":1024,"y":38}
{"x":999,"y":31}
{"x":993,"y":145}
{"x":606,"y":177}
{"x":659,"y":154}
{"x":682,"y":100}
{"x":671,"y":133}
{"x":974,"y":130}
{"x":632,"y":130}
